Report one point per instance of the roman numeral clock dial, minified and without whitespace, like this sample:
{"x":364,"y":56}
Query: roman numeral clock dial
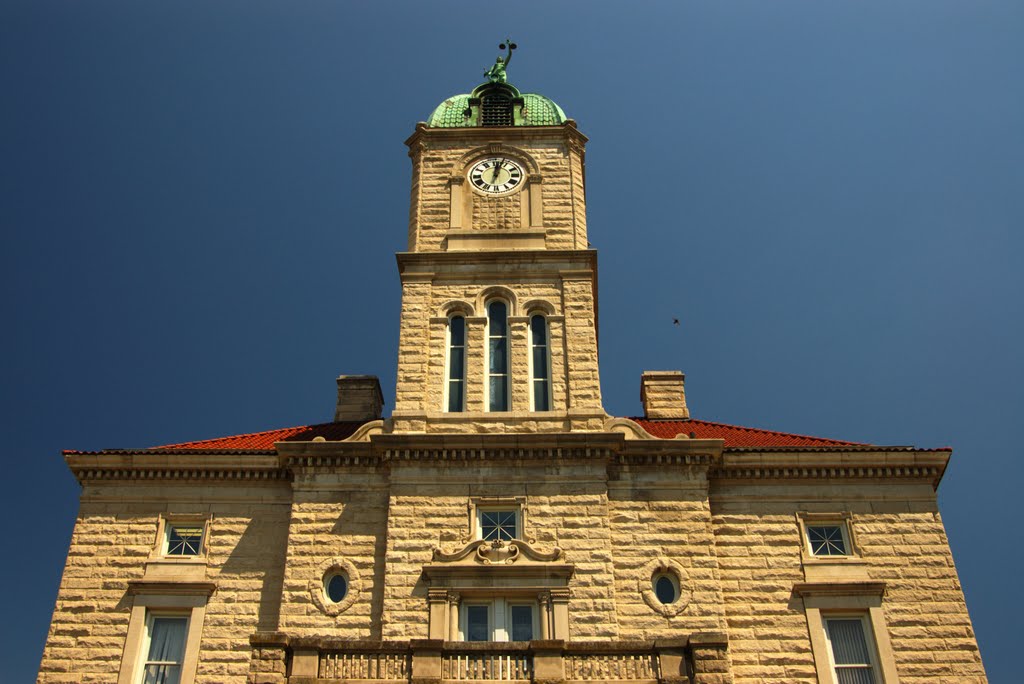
{"x":496,"y":175}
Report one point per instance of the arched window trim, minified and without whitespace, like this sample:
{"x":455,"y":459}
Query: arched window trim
{"x":488,"y":374}
{"x":449,"y":380}
{"x":536,"y":378}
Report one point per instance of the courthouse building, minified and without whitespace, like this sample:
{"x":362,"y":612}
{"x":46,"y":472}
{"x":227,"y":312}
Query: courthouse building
{"x":499,"y":525}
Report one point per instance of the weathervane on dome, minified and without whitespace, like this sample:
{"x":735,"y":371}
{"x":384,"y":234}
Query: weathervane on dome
{"x":496,"y":74}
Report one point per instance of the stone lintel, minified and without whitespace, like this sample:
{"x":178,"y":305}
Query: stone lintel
{"x":577,"y":261}
{"x":147,"y":587}
{"x":829,"y":589}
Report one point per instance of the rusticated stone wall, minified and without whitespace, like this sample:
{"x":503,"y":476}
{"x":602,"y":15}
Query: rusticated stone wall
{"x":902,"y":543}
{"x":114,"y":535}
{"x":435,"y":158}
{"x":336,"y":517}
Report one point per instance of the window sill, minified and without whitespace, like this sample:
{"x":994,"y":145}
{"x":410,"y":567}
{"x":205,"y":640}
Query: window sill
{"x":190,"y":569}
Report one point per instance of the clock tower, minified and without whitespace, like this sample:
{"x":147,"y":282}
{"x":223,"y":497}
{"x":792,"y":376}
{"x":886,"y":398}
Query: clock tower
{"x":499,"y":295}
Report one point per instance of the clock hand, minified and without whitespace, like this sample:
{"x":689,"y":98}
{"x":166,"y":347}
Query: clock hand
{"x":497,"y":168}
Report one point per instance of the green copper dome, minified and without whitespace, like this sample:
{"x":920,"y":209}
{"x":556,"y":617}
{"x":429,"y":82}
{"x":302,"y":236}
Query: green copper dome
{"x":524,"y":109}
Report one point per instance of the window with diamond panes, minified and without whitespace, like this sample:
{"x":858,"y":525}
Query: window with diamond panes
{"x":184,"y":540}
{"x":499,"y":525}
{"x":827,"y":540}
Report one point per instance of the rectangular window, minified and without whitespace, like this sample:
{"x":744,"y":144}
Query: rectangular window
{"x":521,"y":622}
{"x":499,"y":620}
{"x":164,"y":647}
{"x":850,"y":652}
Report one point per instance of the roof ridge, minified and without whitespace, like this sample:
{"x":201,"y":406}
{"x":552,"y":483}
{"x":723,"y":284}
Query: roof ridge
{"x":744,"y":428}
{"x":780,"y":432}
{"x":241,"y":435}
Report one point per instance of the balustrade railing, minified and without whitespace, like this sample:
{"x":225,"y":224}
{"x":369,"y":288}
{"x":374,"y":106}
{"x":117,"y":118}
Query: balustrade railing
{"x":479,"y":665}
{"x":364,"y":665}
{"x":605,"y":666}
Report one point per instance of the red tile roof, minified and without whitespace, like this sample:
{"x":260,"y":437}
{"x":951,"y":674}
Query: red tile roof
{"x":265,"y":440}
{"x":735,"y":436}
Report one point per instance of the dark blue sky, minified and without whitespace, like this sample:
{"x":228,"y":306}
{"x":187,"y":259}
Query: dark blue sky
{"x":200,"y":203}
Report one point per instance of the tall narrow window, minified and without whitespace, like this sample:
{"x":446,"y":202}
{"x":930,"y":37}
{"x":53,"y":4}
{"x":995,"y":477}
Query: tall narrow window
{"x":456,"y":388}
{"x":539,"y":361}
{"x":851,"y":653}
{"x":164,"y":649}
{"x":497,"y":356}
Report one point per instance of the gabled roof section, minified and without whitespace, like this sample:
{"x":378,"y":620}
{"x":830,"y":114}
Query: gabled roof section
{"x":265,"y":440}
{"x":735,"y":436}
{"x":252,"y":441}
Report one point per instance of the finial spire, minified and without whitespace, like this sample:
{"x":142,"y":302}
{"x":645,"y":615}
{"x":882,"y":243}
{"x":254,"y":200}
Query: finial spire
{"x":496,"y":74}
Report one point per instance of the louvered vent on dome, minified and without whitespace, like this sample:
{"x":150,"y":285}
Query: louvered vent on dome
{"x":496,"y":110}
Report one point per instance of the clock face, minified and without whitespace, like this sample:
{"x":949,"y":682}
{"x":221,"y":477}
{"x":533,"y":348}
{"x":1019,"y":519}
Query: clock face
{"x":496,"y":175}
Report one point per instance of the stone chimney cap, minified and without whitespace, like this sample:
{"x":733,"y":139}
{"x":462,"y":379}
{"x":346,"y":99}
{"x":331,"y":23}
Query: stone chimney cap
{"x":359,"y":399}
{"x":663,"y":395}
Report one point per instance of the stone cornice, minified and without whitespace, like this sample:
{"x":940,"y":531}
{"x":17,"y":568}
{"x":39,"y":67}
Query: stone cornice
{"x":617,"y":447}
{"x":171,"y":465}
{"x":417,"y":264}
{"x":833,"y":463}
{"x":485,"y":134}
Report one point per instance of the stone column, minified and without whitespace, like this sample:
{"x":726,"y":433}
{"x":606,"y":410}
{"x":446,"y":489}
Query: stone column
{"x":476,"y":357}
{"x":536,"y":201}
{"x":437,"y":604}
{"x":544,"y":600}
{"x":519,"y":363}
{"x":559,"y":368}
{"x":453,"y":615}
{"x":560,"y":614}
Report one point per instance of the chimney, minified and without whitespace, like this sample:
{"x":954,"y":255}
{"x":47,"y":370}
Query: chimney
{"x":359,"y":398}
{"x":663,"y":396}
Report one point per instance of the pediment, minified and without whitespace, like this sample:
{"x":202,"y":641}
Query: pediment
{"x":482,"y":552}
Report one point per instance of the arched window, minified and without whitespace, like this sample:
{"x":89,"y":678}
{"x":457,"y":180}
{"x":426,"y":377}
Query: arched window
{"x":497,"y":356}
{"x":540,"y":364}
{"x":455,"y":388}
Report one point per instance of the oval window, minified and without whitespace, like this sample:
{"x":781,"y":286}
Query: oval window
{"x":665,"y":589}
{"x":336,"y":587}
